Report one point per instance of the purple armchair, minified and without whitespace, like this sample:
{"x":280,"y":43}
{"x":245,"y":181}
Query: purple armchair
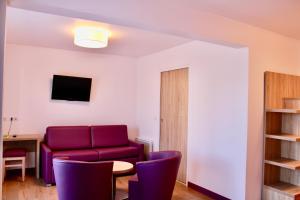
{"x":155,"y":178}
{"x":77,"y":180}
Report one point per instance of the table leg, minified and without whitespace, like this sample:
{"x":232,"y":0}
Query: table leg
{"x":114,"y":186}
{"x":121,"y":195}
{"x":37,"y":159}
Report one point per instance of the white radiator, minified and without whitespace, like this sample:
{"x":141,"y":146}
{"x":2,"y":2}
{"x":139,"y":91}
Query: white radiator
{"x":148,"y":146}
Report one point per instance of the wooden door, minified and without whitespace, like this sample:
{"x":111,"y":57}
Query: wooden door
{"x":174,"y":115}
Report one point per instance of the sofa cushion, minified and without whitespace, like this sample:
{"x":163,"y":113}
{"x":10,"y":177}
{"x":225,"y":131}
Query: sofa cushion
{"x":81,"y":155}
{"x":117,"y":152}
{"x":109,"y":136}
{"x":68,"y":137}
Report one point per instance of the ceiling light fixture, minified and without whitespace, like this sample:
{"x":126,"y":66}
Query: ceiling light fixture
{"x":91,"y":37}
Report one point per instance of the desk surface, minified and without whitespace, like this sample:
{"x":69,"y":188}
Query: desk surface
{"x":23,"y":137}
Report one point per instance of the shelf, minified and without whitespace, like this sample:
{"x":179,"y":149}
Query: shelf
{"x":283,"y":110}
{"x":285,"y":163}
{"x":285,"y":188}
{"x":284,"y":136}
{"x":292,"y":98}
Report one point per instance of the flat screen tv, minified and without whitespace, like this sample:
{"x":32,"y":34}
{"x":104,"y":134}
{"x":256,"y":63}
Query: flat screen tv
{"x":71,"y":88}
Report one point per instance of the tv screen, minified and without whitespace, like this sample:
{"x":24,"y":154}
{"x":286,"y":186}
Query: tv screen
{"x":71,"y":88}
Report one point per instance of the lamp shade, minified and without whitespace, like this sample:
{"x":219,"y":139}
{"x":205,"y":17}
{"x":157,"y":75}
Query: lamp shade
{"x":91,"y":37}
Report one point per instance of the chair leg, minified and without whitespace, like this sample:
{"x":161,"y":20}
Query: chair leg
{"x":23,"y":169}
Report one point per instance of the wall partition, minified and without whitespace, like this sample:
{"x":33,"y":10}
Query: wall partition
{"x":2,"y":44}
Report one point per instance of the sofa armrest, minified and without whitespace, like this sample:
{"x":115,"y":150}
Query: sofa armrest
{"x":47,"y":171}
{"x":140,"y":147}
{"x":133,"y":188}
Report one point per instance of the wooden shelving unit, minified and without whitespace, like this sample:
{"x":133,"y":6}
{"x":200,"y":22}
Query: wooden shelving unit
{"x":282,"y":137}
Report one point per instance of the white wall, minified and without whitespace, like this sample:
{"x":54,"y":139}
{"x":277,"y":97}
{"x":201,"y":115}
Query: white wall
{"x":217,"y":133}
{"x":27,"y":89}
{"x":2,"y":49}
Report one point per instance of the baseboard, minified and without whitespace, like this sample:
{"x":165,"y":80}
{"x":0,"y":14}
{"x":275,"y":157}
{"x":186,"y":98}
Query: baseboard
{"x":206,"y":192}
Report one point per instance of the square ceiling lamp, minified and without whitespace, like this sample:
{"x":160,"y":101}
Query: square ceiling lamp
{"x":91,"y":37}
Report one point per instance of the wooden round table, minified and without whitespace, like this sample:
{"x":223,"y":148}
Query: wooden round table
{"x":120,"y":168}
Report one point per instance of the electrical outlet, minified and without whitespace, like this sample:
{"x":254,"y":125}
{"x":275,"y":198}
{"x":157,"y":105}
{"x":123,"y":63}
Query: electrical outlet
{"x":13,"y":118}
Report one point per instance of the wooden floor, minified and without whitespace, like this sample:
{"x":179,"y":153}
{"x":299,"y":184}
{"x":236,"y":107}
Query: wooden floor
{"x":32,"y":189}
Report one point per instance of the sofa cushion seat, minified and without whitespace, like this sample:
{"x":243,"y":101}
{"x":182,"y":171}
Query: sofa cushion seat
{"x":17,"y":152}
{"x":117,"y":152}
{"x":80,"y":155}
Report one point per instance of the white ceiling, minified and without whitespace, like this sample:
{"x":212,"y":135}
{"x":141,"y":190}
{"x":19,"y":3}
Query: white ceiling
{"x":41,"y":29}
{"x":281,"y":16}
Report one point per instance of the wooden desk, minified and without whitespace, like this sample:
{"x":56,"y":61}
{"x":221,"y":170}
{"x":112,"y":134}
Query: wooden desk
{"x":36,"y":138}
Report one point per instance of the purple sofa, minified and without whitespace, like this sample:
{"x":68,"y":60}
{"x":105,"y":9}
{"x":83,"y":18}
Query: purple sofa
{"x":87,"y":143}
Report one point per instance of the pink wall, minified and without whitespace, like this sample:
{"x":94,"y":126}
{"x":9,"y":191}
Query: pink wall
{"x":217,"y":120}
{"x":2,"y":49}
{"x":27,"y":89}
